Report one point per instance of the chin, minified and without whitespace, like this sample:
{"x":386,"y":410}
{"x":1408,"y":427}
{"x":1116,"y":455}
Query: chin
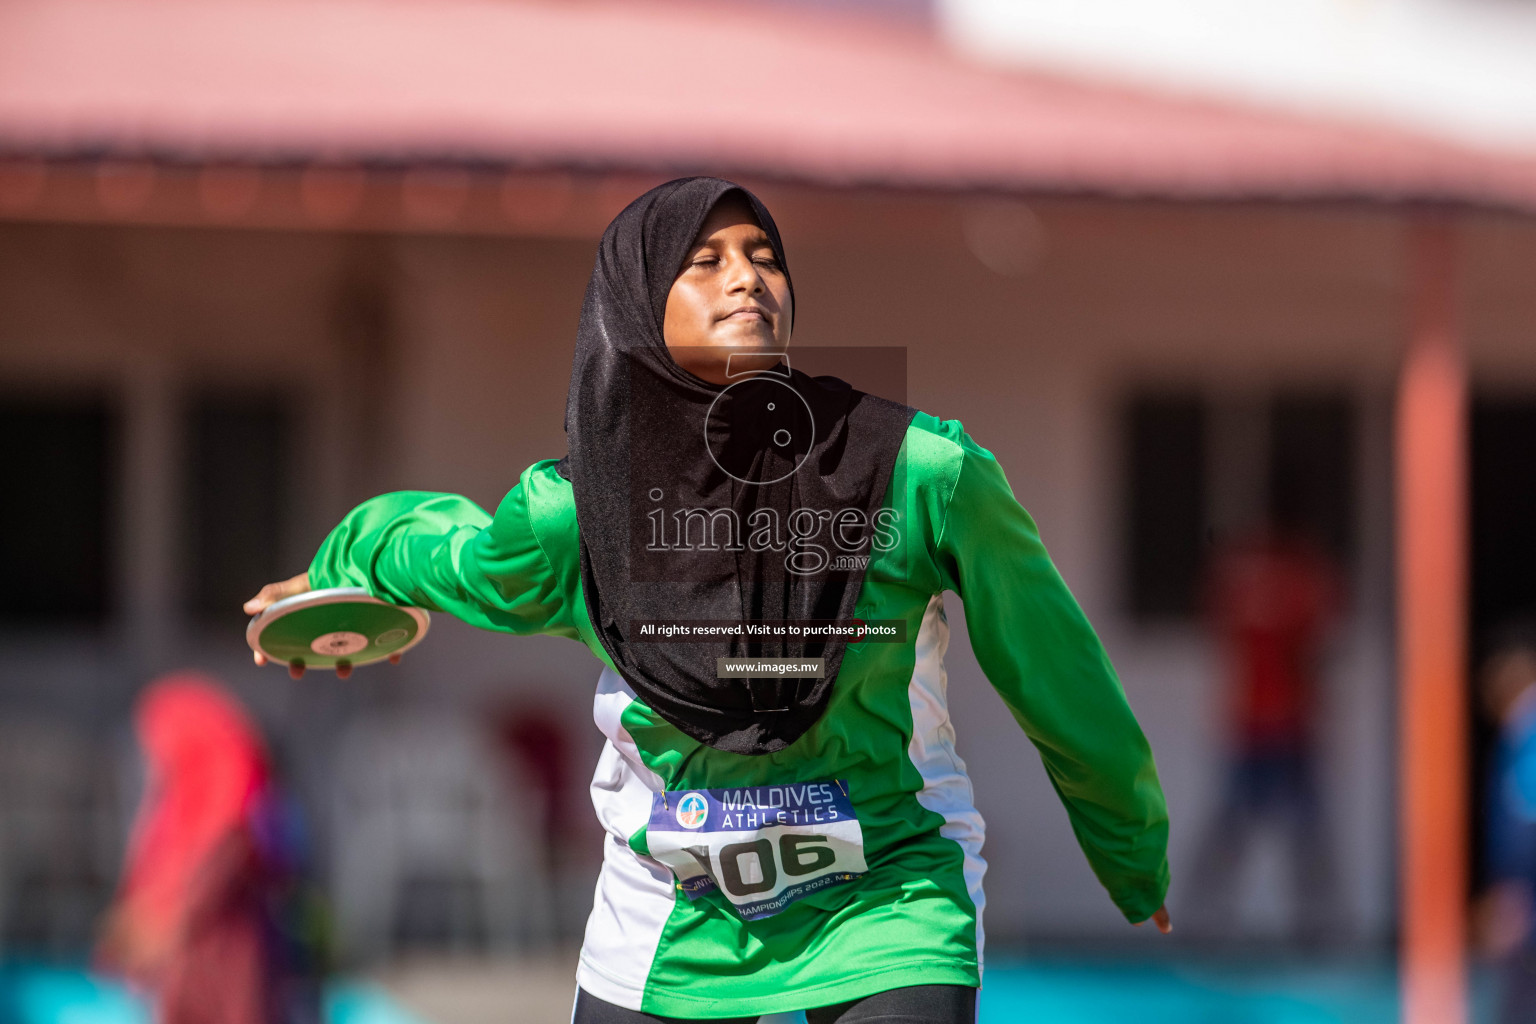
{"x":753,"y":340}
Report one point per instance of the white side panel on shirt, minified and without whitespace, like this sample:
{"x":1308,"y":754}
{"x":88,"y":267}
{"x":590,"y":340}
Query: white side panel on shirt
{"x":946,"y":787}
{"x":634,"y":894}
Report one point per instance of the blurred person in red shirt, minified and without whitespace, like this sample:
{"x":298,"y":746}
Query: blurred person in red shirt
{"x":199,"y":919}
{"x":1272,"y":601}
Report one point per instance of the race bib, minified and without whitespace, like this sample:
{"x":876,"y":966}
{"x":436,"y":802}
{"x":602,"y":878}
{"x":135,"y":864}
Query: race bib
{"x":763,"y":847}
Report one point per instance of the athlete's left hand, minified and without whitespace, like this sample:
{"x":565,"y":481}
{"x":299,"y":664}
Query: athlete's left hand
{"x":1161,"y":919}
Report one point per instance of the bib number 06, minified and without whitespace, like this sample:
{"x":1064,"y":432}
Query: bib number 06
{"x":799,"y":855}
{"x":761,"y":847}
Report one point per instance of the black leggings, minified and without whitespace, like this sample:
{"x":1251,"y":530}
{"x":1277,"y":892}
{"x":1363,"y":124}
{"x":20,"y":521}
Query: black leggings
{"x":919,"y":1004}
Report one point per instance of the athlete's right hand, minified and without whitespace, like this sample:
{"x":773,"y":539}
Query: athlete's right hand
{"x":270,"y":595}
{"x":275,"y":592}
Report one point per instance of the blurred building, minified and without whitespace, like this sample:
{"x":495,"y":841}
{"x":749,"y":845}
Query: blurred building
{"x":260,"y":260}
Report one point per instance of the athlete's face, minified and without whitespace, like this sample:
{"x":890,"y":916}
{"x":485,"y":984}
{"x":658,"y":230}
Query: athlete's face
{"x":730,"y":297}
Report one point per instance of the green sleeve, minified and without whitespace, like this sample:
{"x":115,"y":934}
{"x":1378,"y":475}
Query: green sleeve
{"x":443,"y":552}
{"x":1039,"y":651}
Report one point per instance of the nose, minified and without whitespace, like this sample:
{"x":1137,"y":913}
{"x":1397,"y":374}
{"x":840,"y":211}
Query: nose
{"x":742,"y":277}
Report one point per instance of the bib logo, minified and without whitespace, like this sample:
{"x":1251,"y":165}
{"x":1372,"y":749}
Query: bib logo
{"x":692,"y":810}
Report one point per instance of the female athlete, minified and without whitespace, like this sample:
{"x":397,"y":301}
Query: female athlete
{"x":789,"y":826}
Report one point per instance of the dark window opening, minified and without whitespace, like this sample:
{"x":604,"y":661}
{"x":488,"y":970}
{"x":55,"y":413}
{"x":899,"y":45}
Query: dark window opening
{"x":1503,"y":512}
{"x":1306,"y":471}
{"x":56,"y":521}
{"x":1312,"y":470}
{"x":239,"y":466}
{"x":1166,"y":462}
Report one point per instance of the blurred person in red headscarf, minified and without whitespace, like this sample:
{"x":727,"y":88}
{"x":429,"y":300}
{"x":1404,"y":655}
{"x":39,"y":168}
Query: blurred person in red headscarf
{"x":200,"y":919}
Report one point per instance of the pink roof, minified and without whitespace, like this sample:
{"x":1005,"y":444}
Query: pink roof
{"x":607,"y":84}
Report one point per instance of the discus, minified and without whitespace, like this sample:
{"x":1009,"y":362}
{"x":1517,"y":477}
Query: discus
{"x":337,"y":627}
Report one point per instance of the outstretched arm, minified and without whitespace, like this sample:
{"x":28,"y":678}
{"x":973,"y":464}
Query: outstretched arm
{"x":1040,"y":653}
{"x":444,"y":553}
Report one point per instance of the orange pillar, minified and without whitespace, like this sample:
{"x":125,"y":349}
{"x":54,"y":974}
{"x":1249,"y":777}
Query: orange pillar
{"x":1432,"y":588}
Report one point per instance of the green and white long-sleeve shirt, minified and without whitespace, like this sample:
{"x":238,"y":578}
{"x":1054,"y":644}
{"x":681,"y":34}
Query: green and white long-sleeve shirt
{"x":912,"y":915}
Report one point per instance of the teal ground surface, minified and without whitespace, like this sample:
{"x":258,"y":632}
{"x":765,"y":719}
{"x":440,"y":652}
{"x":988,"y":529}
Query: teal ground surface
{"x":1052,"y":989}
{"x":1043,"y":989}
{"x":36,"y":994}
{"x":1090,"y":992}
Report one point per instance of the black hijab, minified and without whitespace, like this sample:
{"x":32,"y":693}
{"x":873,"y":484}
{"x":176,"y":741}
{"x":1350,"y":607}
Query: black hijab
{"x":649,"y":440}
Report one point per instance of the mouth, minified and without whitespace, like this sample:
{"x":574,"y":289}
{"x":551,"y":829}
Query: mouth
{"x":748,"y":313}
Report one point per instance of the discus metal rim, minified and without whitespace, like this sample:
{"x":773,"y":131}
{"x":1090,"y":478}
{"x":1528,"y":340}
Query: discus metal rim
{"x":331,"y":595}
